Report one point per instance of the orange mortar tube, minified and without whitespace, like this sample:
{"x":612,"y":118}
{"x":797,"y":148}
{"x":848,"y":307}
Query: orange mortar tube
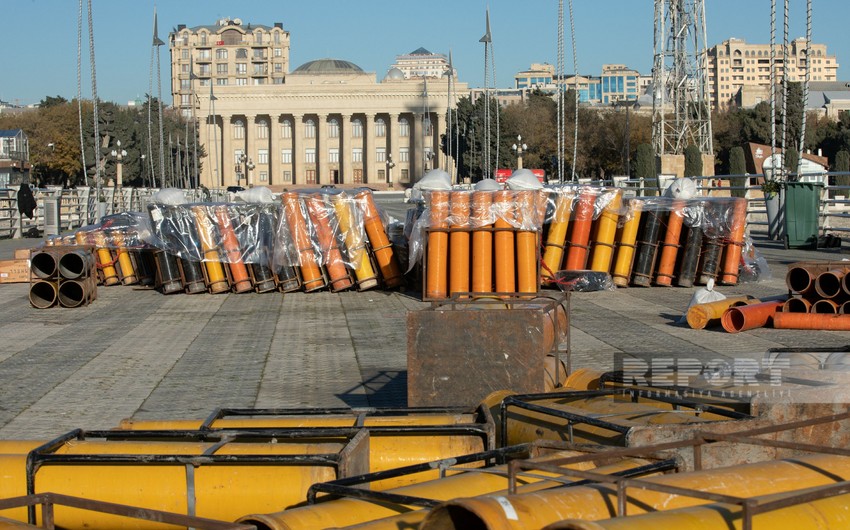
{"x":482,"y":242}
{"x":580,"y":236}
{"x":553,"y":252}
{"x":825,"y":307}
{"x":212,"y":259}
{"x":526,"y":243}
{"x":459,"y":243}
{"x":436,"y":282}
{"x":310,"y":274}
{"x":321,"y":216}
{"x":606,"y":229}
{"x":797,"y":305}
{"x":505,"y":259}
{"x":700,"y":316}
{"x":752,"y":316}
{"x":626,"y":247}
{"x":230,"y":245}
{"x":128,"y":272}
{"x":104,"y":259}
{"x":355,"y":241}
{"x":664,"y":275}
{"x":736,"y":242}
{"x":811,"y":321}
{"x":383,"y":250}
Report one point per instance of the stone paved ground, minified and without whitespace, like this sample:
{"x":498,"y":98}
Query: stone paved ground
{"x":137,"y":353}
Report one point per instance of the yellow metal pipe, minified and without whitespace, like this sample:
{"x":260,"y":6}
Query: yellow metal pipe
{"x":212,"y":259}
{"x":626,"y":246}
{"x":128,"y":272}
{"x":349,"y":511}
{"x":11,"y":524}
{"x":222,"y":492}
{"x":104,"y":259}
{"x":553,"y":253}
{"x":606,"y":229}
{"x":330,"y":420}
{"x":355,"y":242}
{"x":538,"y":509}
{"x":822,"y":514}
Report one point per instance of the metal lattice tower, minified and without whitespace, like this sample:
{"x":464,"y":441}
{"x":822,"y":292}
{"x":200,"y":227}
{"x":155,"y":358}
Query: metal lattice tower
{"x":680,"y":106}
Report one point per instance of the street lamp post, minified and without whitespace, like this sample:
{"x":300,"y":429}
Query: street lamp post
{"x":390,"y":166}
{"x":119,"y":155}
{"x":144,"y":181}
{"x":249,"y":165}
{"x":518,"y":148}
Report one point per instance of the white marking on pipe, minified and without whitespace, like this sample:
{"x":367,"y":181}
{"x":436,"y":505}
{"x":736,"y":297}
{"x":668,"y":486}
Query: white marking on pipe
{"x":508,"y":508}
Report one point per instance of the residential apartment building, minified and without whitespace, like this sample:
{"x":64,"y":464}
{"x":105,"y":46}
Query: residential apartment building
{"x":616,"y":84}
{"x":421,"y":63}
{"x":325,"y":122}
{"x":739,"y":73}
{"x":14,"y":157}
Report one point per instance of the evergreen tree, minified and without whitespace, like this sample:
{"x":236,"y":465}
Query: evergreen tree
{"x":842,"y":165}
{"x":738,"y":166}
{"x":693,"y":161}
{"x":644,"y":162}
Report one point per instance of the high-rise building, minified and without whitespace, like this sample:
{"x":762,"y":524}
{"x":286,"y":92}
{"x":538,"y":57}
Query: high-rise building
{"x":421,"y":63}
{"x":739,"y":73}
{"x":324,"y":122}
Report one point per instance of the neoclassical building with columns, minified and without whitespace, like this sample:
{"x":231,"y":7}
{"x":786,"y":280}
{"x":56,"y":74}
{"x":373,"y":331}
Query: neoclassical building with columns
{"x":326,"y":122}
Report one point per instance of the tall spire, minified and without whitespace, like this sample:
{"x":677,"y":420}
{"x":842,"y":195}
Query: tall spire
{"x":156,"y":40}
{"x":487,"y":37}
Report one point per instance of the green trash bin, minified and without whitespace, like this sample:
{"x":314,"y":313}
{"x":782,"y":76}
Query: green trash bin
{"x":802,"y":201}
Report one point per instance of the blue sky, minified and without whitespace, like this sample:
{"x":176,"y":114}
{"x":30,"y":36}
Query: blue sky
{"x":40,"y":56}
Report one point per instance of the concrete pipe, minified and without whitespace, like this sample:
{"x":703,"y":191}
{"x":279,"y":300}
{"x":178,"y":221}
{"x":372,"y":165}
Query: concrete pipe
{"x":670,"y":245}
{"x":43,"y":265}
{"x":746,"y":317}
{"x":76,"y":264}
{"x":43,"y":294}
{"x":75,"y":293}
{"x":178,"y":477}
{"x":592,"y":503}
{"x":349,"y":511}
{"x":823,"y":514}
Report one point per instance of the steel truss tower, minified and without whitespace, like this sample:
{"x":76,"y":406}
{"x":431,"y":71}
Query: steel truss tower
{"x":680,"y":106}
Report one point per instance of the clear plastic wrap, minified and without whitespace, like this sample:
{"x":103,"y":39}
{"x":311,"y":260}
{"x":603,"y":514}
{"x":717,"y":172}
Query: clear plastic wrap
{"x":583,"y":281}
{"x":126,"y":230}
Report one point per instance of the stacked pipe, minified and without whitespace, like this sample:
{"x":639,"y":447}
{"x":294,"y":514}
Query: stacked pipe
{"x":481,"y":243}
{"x":63,"y":276}
{"x":820,"y":297}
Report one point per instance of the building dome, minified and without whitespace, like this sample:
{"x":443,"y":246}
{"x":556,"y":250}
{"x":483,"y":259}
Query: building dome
{"x":328,"y":66}
{"x":395,"y":73}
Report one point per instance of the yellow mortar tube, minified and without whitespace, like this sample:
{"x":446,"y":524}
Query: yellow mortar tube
{"x":222,"y":492}
{"x":380,"y":241}
{"x":104,"y":259}
{"x":527,"y":426}
{"x":538,"y":509}
{"x":212,"y":259}
{"x":824,"y":514}
{"x":606,"y":229}
{"x":349,"y":511}
{"x":626,"y":247}
{"x":700,"y":316}
{"x":128,"y":272}
{"x":386,"y":451}
{"x":553,"y":253}
{"x":355,"y":242}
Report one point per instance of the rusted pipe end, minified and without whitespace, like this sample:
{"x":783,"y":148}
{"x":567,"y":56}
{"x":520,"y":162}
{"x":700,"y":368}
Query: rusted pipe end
{"x":800,"y":280}
{"x":828,"y":284}
{"x":42,"y":294}
{"x":796,"y":305}
{"x":72,"y":293}
{"x":825,"y":307}
{"x":43,"y":265}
